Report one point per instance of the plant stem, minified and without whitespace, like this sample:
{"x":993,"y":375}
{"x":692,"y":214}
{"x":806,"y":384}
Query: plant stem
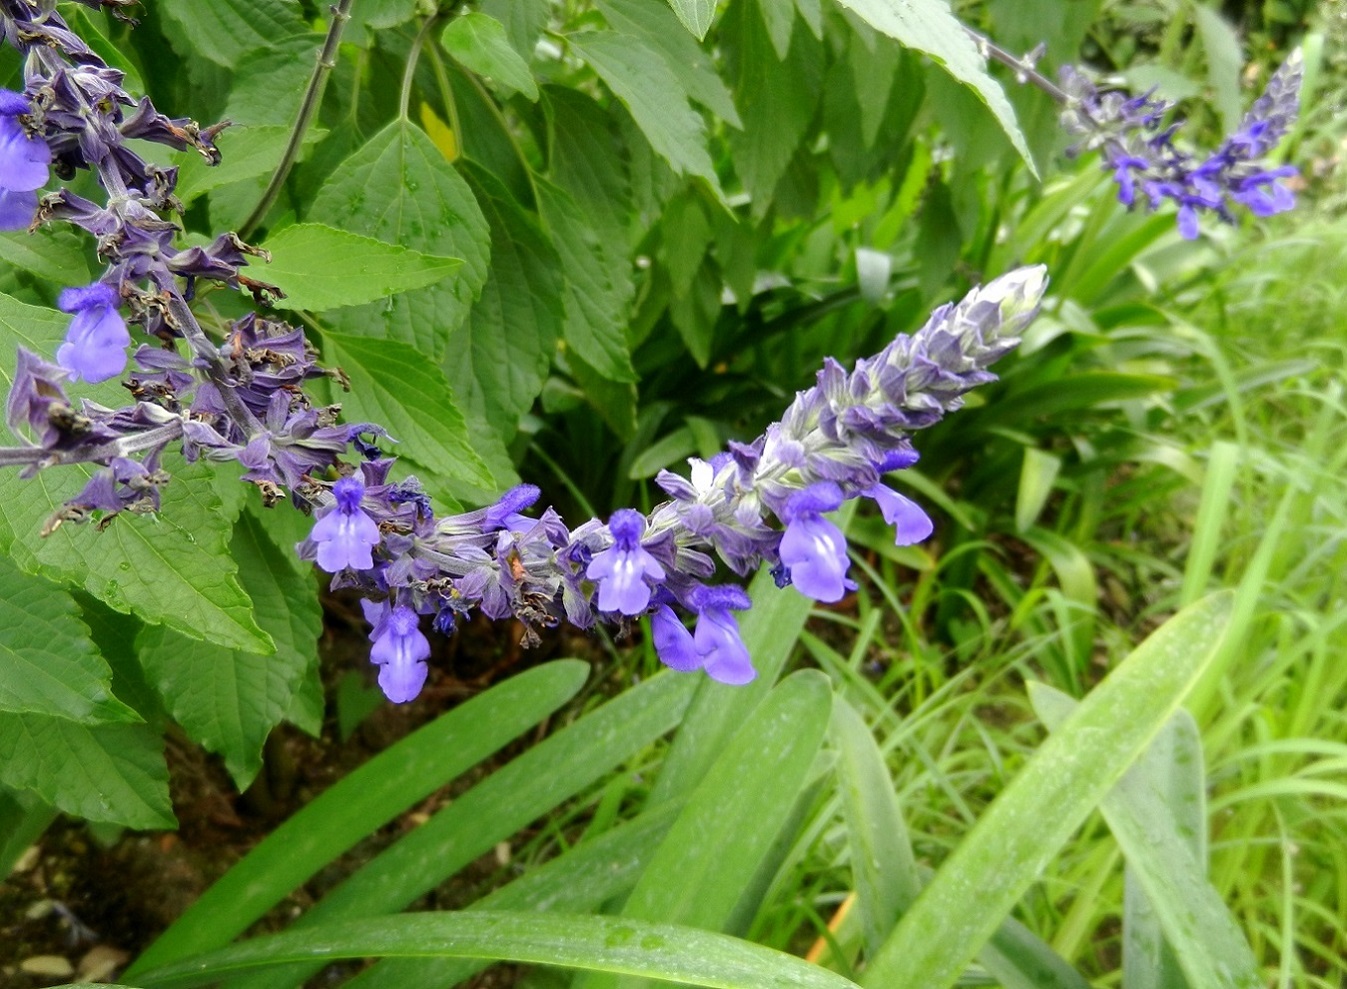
{"x":1023,"y":68}
{"x":185,"y":322}
{"x":414,"y":56}
{"x":313,"y":97}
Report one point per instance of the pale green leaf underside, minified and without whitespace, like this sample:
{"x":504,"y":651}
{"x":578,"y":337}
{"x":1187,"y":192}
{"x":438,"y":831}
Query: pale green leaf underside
{"x":928,"y":26}
{"x":479,"y":43}
{"x":320,"y":267}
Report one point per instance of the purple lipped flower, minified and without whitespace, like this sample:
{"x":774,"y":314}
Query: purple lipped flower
{"x":25,"y":162}
{"x":400,"y":649}
{"x":813,"y":547}
{"x":95,"y":345}
{"x":622,"y":569}
{"x":346,"y":534}
{"x":673,"y":642}
{"x":910,"y":522}
{"x":722,"y":652}
{"x":505,"y":513}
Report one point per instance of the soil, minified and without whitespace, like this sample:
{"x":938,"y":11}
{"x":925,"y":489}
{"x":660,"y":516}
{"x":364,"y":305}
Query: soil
{"x":85,"y":901}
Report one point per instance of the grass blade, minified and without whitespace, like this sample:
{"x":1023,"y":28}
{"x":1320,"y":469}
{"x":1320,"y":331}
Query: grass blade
{"x":1036,"y":814}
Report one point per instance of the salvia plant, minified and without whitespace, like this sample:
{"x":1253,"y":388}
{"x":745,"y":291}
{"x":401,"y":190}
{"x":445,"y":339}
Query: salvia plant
{"x":210,"y":369}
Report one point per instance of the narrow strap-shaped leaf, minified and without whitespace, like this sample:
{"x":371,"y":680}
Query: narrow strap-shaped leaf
{"x":366,"y":799}
{"x":601,"y":944}
{"x":731,"y":820}
{"x":542,"y":778}
{"x":1141,"y":812}
{"x":1036,"y":814}
{"x":579,"y":881}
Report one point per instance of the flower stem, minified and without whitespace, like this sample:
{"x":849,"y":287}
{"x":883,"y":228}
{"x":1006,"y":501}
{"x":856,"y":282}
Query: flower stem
{"x":313,"y":97}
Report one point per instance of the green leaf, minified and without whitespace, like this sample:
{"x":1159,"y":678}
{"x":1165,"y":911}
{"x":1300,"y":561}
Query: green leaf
{"x":779,"y":98}
{"x":112,"y":773}
{"x":1225,"y":62}
{"x":586,"y":158}
{"x":500,"y":357}
{"x":581,"y":880}
{"x":883,"y":867}
{"x":696,"y":15}
{"x":399,"y":189}
{"x":601,"y":944}
{"x":658,"y":101}
{"x":172,"y":568}
{"x":48,"y":665}
{"x":320,"y":267}
{"x":226,"y":699}
{"x":1036,"y":814}
{"x":731,"y":820}
{"x":1206,"y":938}
{"x":689,"y":61}
{"x":596,"y":287}
{"x":58,"y":255}
{"x":479,"y":44}
{"x":249,"y":150}
{"x":362,"y":802}
{"x":524,"y":21}
{"x":929,"y":27}
{"x":392,"y":384}
{"x":222,"y":30}
{"x":545,"y":776}
{"x":769,"y":631}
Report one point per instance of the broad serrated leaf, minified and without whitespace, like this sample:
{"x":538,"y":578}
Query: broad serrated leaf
{"x":60,"y":256}
{"x":479,"y":44}
{"x":48,"y":665}
{"x":586,"y":158}
{"x":392,"y":384}
{"x":222,"y":30}
{"x":112,"y":773}
{"x":171,"y":568}
{"x":320,"y":267}
{"x":658,"y":101}
{"x":524,"y":21}
{"x":781,"y":96}
{"x":597,"y":286}
{"x":687,"y":60}
{"x":249,"y":150}
{"x":369,"y":17}
{"x":696,"y":15}
{"x":499,"y":359}
{"x":779,"y":19}
{"x":929,"y":27}
{"x":399,"y":188}
{"x":226,"y":699}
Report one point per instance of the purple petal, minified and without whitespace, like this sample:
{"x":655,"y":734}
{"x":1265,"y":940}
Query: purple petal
{"x":673,"y":642}
{"x":17,"y":209}
{"x":95,"y":345}
{"x":911,"y":523}
{"x":816,"y":552}
{"x":724,"y":656}
{"x":402,"y":651}
{"x":24,"y":160}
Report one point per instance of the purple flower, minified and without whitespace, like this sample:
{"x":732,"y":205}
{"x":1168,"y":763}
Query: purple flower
{"x":910,"y":523}
{"x":400,"y":650}
{"x":622,"y":568}
{"x":673,"y":642}
{"x":95,"y":345}
{"x":346,"y":534}
{"x":24,"y":161}
{"x":721,"y":650}
{"x":812,"y":547}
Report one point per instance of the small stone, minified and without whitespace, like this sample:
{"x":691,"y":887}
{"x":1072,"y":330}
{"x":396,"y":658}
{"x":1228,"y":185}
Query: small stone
{"x":101,"y":962}
{"x":28,"y":859}
{"x":53,"y":965}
